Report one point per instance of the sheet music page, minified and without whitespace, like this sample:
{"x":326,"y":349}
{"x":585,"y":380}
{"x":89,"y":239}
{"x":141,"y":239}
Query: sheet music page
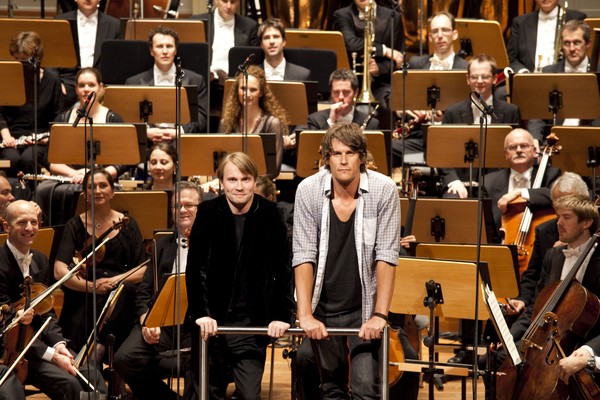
{"x":500,"y":324}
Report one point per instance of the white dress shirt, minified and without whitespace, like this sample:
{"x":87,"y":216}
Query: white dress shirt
{"x":274,"y":74}
{"x":477,"y":113}
{"x":86,"y":33}
{"x":164,"y":78}
{"x":222,"y":42}
{"x":546,"y":31}
{"x":438,"y":64}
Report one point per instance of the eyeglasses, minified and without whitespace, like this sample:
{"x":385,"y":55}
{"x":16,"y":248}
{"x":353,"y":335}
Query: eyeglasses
{"x":482,"y":77}
{"x":523,"y":146}
{"x":187,"y":206}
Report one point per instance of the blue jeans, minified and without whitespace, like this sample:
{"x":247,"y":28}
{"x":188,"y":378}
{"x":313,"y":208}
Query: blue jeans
{"x":332,"y":358}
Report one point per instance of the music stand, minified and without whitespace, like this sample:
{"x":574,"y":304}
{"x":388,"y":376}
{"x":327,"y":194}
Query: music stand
{"x":43,"y":241}
{"x":163,"y":312}
{"x":201,"y":154}
{"x":309,"y":157}
{"x":446,"y":145}
{"x":128,"y":100}
{"x":530,"y":90}
{"x":12,"y":82}
{"x":449,"y":220}
{"x":291,"y":96}
{"x":149,"y":208}
{"x":500,"y":259}
{"x":317,"y":39}
{"x":451,"y":86}
{"x":480,"y":36}
{"x":188,"y":30}
{"x":59,"y":50}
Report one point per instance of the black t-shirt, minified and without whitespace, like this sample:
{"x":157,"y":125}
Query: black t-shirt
{"x":239,"y":306}
{"x":342,"y":291}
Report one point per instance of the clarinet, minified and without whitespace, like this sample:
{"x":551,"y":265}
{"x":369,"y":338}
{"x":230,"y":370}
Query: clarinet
{"x":34,"y":137}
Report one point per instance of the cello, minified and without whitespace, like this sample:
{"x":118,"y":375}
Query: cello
{"x":519,"y":222}
{"x":563,"y":312}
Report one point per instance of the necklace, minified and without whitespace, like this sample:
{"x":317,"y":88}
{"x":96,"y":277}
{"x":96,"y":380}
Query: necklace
{"x":99,"y":224}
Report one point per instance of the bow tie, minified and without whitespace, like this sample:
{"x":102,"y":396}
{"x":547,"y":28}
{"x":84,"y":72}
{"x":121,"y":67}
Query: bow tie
{"x":546,"y":17}
{"x":223,"y":23}
{"x":571,"y":252}
{"x":83,"y":21}
{"x":439,"y":65}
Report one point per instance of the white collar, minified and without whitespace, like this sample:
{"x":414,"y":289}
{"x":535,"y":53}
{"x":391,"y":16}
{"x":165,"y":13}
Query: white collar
{"x":275,"y":73}
{"x":166,"y":77}
{"x":549,"y":16}
{"x":92,"y":19}
{"x":220,"y":22}
{"x":581,"y":67}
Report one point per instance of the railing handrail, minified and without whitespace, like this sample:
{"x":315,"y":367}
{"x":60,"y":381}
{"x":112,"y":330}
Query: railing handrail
{"x":251,"y":330}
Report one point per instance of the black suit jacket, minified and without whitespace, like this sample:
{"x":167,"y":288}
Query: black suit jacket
{"x":245,"y":30}
{"x":294,"y":72}
{"x":10,"y":279}
{"x":496,"y":185}
{"x":109,"y":28}
{"x":190,"y":78}
{"x":318,"y":120}
{"x":523,"y":39}
{"x":346,"y":20}
{"x":423,"y":62}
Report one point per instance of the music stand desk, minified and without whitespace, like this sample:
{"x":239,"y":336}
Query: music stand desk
{"x":531,"y":93}
{"x":309,"y":156}
{"x":12,"y":82}
{"x":188,"y":30}
{"x":149,"y":208}
{"x":126,"y":99}
{"x":163,"y":312}
{"x":291,"y":96}
{"x":446,"y":145}
{"x":452,"y":85}
{"x":499,"y":258}
{"x":485,"y":36}
{"x":459,"y":216}
{"x":200,"y":153}
{"x":575,"y":141}
{"x":59,"y":50}
{"x":318,"y":39}
{"x":43,"y":241}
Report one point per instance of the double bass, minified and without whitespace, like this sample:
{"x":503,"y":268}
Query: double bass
{"x":563,"y":312}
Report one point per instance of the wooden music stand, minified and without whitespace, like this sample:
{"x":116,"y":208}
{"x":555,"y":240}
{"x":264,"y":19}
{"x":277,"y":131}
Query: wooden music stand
{"x":43,"y":241}
{"x":446,"y":145}
{"x":317,"y":39}
{"x":149,"y":208}
{"x":59,"y":50}
{"x":309,"y":157}
{"x":501,"y":261}
{"x":456,"y":217}
{"x":482,"y":37}
{"x":127,"y":99}
{"x":201,"y":154}
{"x":531,"y":91}
{"x":291,"y":96}
{"x":452,"y":85}
{"x":163,"y":312}
{"x":118,"y":144}
{"x":12,"y":82}
{"x":188,"y":30}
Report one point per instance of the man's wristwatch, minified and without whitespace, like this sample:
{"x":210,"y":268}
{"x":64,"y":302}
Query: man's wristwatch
{"x":591,"y":363}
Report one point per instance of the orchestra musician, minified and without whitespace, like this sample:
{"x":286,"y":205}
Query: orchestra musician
{"x":18,"y":121}
{"x":163,"y":42}
{"x":6,"y":196}
{"x":350,"y":282}
{"x":238,"y":274}
{"x":162,"y":164}
{"x":482,"y":72}
{"x":139,"y":360}
{"x":123,"y":252}
{"x":90,"y":28}
{"x":50,"y":361}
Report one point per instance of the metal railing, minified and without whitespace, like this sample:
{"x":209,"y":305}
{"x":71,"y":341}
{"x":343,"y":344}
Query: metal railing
{"x":246,"y":330}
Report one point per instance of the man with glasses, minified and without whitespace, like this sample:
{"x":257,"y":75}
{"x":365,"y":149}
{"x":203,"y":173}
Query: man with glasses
{"x":344,"y":89}
{"x":481,"y":76}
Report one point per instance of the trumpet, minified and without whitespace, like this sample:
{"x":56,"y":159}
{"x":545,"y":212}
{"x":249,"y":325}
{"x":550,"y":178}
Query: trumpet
{"x":366,"y":95}
{"x":562,"y":16}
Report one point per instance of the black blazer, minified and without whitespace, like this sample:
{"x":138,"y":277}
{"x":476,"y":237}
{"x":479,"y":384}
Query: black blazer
{"x":10,"y":279}
{"x":190,"y":78}
{"x":423,"y":62}
{"x":263,"y":260}
{"x":245,"y":30}
{"x":294,"y":72}
{"x":109,"y":28}
{"x":461,"y":113}
{"x":523,"y":39}
{"x":318,"y":120}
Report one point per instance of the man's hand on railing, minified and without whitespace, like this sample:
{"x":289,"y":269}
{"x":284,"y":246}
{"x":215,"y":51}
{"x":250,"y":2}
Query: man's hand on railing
{"x":372,"y":329}
{"x":276,"y":329}
{"x":208,"y":327}
{"x":313,"y":328}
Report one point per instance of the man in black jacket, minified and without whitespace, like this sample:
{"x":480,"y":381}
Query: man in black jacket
{"x":238,"y":274}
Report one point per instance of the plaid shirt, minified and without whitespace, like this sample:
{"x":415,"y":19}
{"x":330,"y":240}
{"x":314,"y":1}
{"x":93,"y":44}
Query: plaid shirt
{"x":376,"y":227}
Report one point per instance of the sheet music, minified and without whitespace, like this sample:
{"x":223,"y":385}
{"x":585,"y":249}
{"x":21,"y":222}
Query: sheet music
{"x":500,"y":324}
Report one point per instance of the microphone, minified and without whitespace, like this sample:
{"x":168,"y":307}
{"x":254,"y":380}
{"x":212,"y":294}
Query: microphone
{"x":82,"y":110}
{"x":242,"y":67}
{"x":487,"y":108}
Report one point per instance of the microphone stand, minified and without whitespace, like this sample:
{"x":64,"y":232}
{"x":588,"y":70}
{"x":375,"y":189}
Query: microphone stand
{"x":244,"y":70}
{"x":34,"y":62}
{"x":211,"y":33}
